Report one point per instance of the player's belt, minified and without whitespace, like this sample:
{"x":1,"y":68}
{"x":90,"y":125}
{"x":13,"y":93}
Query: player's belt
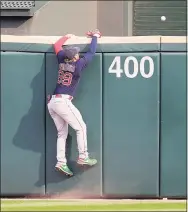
{"x":62,"y":96}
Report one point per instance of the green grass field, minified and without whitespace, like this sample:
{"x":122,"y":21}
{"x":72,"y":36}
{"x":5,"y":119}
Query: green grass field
{"x":91,"y":205}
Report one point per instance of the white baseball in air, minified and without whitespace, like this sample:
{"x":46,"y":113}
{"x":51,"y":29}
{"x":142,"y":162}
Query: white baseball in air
{"x":163,"y":18}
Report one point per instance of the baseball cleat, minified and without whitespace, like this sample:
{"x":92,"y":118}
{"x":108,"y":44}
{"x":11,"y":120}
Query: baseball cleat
{"x":64,"y":168}
{"x":87,"y":161}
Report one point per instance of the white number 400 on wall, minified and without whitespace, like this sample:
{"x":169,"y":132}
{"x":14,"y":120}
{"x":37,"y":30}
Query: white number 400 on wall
{"x":115,"y":67}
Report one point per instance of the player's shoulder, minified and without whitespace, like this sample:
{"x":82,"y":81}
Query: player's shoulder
{"x":60,"y":55}
{"x":81,"y":60}
{"x":81,"y":63}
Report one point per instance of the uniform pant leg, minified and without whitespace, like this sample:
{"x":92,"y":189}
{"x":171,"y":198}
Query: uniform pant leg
{"x":62,"y":133}
{"x":68,"y":112}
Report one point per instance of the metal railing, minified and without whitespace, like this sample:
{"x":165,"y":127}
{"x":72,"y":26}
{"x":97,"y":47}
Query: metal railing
{"x":17,"y":5}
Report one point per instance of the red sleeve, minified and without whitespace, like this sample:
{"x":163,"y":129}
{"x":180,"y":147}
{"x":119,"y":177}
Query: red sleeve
{"x":58,"y":44}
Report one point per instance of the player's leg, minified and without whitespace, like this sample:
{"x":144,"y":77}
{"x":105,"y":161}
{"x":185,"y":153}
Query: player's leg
{"x":62,"y":132}
{"x":76,"y":122}
{"x":73,"y":117}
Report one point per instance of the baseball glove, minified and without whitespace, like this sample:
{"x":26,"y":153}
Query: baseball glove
{"x":94,"y":33}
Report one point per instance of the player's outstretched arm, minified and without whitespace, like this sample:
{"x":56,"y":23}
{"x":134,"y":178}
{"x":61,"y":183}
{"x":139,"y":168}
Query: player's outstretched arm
{"x":59,"y":43}
{"x":92,"y":48}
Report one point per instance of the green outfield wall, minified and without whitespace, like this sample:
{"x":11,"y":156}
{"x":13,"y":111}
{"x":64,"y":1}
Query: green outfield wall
{"x":133,"y":99}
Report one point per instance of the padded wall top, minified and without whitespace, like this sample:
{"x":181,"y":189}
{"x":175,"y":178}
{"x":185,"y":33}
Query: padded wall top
{"x":105,"y":44}
{"x":174,"y":43}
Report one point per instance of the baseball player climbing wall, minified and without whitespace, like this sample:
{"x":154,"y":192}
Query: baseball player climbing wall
{"x":60,"y":105}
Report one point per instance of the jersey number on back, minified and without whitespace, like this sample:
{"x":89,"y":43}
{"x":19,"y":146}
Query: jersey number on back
{"x":64,"y":78}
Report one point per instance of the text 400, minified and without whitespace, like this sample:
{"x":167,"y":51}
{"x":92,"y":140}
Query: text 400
{"x":136,"y":67}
